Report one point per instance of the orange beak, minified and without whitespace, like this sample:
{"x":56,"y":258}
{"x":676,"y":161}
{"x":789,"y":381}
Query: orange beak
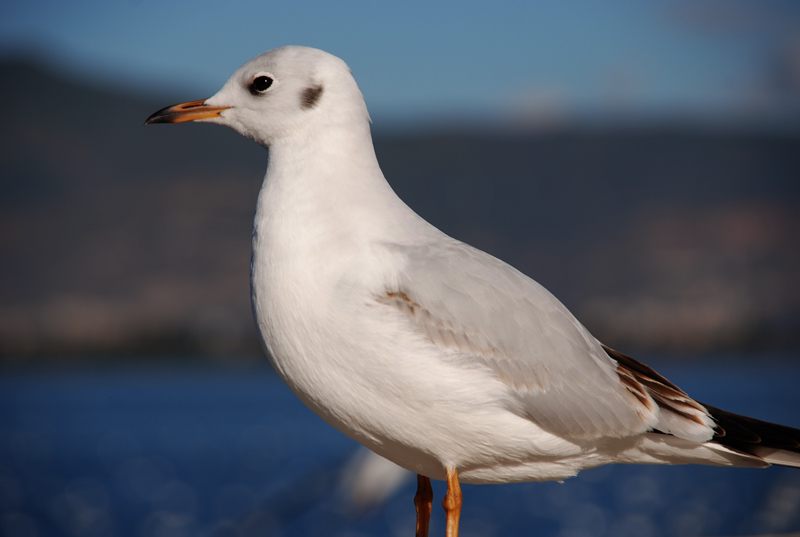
{"x":191,"y":111}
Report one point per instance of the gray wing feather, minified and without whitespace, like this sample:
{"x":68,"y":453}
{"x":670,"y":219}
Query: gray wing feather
{"x":497,"y":318}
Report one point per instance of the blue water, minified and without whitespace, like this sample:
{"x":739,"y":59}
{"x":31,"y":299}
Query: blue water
{"x":231,"y":452}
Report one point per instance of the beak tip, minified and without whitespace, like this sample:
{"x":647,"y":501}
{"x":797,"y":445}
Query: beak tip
{"x":158,"y":117}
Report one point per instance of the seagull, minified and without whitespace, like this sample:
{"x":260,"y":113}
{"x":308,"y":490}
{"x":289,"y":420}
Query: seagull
{"x":437,"y":356}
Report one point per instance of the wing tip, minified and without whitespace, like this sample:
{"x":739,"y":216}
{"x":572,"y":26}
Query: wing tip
{"x":770,"y":442}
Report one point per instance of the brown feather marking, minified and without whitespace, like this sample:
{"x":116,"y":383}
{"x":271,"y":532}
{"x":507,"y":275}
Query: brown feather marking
{"x":634,"y":387}
{"x":666,"y":394}
{"x":400,"y":299}
{"x":439,"y":332}
{"x":310,"y":96}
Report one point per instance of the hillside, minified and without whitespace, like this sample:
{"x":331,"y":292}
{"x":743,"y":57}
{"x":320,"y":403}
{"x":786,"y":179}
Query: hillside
{"x":119,"y":238}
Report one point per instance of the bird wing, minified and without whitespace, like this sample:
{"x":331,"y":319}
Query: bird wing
{"x":486,"y":314}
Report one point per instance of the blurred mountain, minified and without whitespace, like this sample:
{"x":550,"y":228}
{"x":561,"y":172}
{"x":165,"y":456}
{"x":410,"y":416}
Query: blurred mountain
{"x":117,"y":238}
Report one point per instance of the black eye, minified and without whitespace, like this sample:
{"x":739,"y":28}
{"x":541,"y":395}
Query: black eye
{"x":260,"y":84}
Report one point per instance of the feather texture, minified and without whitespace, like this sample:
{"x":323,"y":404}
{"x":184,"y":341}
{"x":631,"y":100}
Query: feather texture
{"x":557,"y":374}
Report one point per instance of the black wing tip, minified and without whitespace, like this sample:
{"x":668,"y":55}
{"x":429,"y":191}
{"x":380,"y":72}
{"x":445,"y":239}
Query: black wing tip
{"x":746,"y":434}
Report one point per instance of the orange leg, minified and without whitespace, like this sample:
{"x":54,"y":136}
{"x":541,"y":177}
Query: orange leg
{"x":423,"y":502}
{"x":452,"y":503}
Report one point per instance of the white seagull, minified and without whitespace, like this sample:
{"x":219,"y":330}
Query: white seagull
{"x":435,"y":355}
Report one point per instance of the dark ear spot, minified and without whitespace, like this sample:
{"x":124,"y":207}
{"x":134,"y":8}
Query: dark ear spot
{"x":310,"y":96}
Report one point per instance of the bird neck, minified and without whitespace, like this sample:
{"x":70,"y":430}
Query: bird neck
{"x":325,"y":159}
{"x":325,"y":188}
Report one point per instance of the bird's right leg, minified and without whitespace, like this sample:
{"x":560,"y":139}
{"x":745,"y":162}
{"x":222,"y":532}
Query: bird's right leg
{"x":423,"y":502}
{"x":452,"y":502}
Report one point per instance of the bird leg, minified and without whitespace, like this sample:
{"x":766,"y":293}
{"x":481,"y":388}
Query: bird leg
{"x":423,"y":502}
{"x":452,"y":502}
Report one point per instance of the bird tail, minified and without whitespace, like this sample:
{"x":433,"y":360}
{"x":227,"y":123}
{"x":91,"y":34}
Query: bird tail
{"x":770,"y":442}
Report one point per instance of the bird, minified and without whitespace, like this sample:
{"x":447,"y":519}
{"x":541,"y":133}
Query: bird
{"x":431,"y":353}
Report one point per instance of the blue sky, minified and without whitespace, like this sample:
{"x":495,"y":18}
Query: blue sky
{"x":526,"y":62}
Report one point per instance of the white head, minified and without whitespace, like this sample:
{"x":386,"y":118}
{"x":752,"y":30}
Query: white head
{"x":286,"y":92}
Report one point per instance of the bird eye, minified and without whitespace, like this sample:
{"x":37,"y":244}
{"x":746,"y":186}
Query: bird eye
{"x":260,"y":84}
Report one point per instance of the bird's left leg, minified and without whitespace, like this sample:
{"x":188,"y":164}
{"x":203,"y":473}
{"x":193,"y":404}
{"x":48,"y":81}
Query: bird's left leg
{"x":452,"y":502}
{"x":423,"y":502}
